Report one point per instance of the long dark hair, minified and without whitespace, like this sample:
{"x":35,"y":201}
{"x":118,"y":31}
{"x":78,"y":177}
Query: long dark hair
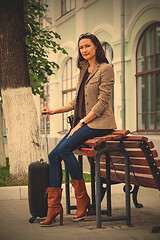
{"x":100,"y":54}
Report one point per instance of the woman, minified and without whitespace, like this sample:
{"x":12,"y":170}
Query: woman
{"x":93,"y":117}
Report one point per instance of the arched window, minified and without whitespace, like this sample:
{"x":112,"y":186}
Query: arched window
{"x":45,"y":103}
{"x":148,"y":79}
{"x":109,"y":55}
{"x":68,"y":90}
{"x":108,"y":51}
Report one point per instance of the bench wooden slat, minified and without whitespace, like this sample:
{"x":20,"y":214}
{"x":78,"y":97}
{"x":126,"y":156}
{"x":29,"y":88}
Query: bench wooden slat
{"x":121,"y":132}
{"x":136,"y":169}
{"x":145,"y":180}
{"x":134,"y":161}
{"x":136,"y":138}
{"x":133,"y":153}
{"x":85,"y":151}
{"x":115,"y":135}
{"x":97,"y":140}
{"x":135,"y":144}
{"x":129,"y":144}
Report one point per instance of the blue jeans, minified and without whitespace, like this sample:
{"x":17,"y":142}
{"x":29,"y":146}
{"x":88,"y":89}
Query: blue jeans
{"x":64,"y":151}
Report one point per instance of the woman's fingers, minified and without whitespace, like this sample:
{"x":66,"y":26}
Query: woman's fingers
{"x":44,"y":110}
{"x":74,"y":130}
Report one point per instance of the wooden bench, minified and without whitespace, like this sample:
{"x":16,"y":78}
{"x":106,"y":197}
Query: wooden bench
{"x":118,"y":158}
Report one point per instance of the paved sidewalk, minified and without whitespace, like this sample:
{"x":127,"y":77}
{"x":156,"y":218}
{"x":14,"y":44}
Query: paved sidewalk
{"x":14,"y":216}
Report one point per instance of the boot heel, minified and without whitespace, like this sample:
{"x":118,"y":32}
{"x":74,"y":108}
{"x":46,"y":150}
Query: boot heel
{"x":61,"y":217}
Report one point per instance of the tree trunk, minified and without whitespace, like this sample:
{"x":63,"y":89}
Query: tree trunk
{"x":2,"y":150}
{"x":23,"y":132}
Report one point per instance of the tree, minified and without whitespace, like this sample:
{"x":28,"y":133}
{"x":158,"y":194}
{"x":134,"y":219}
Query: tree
{"x":38,"y":40}
{"x":15,"y":87}
{"x":24,"y":140}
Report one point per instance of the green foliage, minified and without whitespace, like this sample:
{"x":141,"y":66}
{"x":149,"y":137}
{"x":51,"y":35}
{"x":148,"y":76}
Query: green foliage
{"x":38,"y":43}
{"x":4,"y":174}
{"x":7,"y":180}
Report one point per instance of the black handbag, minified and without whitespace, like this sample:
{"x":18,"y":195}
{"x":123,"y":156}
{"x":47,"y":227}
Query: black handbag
{"x":70,"y":120}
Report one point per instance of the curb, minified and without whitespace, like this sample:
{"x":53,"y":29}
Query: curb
{"x":14,"y":192}
{"x":21,"y":192}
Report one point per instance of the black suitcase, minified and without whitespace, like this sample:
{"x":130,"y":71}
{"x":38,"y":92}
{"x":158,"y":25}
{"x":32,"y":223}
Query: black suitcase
{"x":38,"y":181}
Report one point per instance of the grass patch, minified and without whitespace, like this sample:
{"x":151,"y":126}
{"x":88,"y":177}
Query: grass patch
{"x":86,"y":176}
{"x":4,"y":174}
{"x":7,"y":180}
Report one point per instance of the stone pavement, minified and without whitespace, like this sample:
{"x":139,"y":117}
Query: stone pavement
{"x":14,"y":216}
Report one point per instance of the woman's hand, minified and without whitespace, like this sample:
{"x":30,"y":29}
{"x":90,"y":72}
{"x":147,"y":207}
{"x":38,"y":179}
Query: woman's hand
{"x":45,"y":110}
{"x":78,"y":126}
{"x":68,"y":107}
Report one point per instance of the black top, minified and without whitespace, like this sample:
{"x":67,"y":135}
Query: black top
{"x":81,"y":97}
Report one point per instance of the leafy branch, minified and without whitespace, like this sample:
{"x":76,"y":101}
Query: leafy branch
{"x":38,"y":43}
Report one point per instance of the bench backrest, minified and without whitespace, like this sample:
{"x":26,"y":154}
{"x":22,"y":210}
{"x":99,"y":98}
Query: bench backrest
{"x":144,"y":162}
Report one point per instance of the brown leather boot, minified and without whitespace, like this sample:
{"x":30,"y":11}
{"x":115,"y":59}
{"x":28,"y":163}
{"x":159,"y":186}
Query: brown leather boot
{"x":54,"y":206}
{"x":83,"y":200}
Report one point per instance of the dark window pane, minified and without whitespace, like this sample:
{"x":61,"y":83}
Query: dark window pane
{"x":158,"y":38}
{"x":67,"y":6}
{"x":140,"y":50}
{"x":108,"y":51}
{"x":73,"y":4}
{"x":150,"y":121}
{"x":158,"y":60}
{"x":158,"y":120}
{"x":149,"y":62}
{"x":140,"y":65}
{"x":140,"y":94}
{"x":158,"y":91}
{"x":109,"y":55}
{"x":149,"y":41}
{"x":149,"y":93}
{"x":141,"y":122}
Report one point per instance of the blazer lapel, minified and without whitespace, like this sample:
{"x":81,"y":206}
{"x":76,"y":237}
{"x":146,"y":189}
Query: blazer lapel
{"x":94,"y":70}
{"x":82,"y":73}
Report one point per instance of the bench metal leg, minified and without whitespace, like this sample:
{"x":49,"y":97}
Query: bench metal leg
{"x":92,"y":171}
{"x":98,"y":191}
{"x":127,"y":181}
{"x":108,"y":182}
{"x":67,"y":191}
{"x":134,"y":195}
{"x":127,"y":217}
{"x":80,"y":161}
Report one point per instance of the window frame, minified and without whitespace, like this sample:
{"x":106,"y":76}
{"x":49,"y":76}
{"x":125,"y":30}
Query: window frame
{"x":145,"y":73}
{"x":45,"y":103}
{"x":64,"y":10}
{"x":66,"y":91}
{"x":110,"y":59}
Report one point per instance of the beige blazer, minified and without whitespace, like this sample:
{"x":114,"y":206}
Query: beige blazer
{"x":98,"y":89}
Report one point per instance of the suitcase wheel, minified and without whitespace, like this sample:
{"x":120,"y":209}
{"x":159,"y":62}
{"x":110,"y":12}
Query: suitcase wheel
{"x":31,"y":220}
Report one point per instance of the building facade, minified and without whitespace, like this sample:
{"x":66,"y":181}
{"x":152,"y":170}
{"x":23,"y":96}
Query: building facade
{"x":140,"y":92}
